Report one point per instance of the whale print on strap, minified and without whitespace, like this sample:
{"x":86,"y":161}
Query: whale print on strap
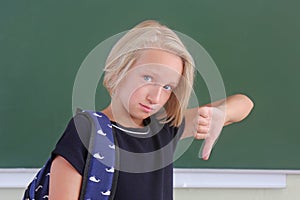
{"x":107,"y":193}
{"x":94,"y":179}
{"x":39,"y":187}
{"x":100,"y":132}
{"x":96,"y":114}
{"x":110,"y":170}
{"x":98,"y":156}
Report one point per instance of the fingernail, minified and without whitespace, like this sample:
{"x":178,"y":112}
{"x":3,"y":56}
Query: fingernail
{"x":206,"y":157}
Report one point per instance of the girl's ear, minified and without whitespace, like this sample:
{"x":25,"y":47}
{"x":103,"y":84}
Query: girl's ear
{"x":114,"y":91}
{"x":110,"y":87}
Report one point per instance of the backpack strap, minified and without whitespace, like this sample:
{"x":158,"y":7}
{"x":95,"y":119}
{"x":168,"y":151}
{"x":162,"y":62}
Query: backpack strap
{"x":100,"y":176}
{"x":39,"y":186}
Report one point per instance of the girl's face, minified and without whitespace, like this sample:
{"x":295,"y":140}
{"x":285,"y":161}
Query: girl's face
{"x":148,"y":85}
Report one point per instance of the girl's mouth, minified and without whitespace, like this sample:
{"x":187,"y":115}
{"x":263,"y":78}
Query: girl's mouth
{"x":145,"y":108}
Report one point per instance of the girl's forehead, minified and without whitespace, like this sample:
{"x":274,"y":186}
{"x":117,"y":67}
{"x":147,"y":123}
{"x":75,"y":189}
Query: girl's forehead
{"x":160,"y":57}
{"x":156,"y":68}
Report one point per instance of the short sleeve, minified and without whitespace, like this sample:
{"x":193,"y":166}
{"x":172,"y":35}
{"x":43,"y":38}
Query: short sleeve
{"x":73,"y":144}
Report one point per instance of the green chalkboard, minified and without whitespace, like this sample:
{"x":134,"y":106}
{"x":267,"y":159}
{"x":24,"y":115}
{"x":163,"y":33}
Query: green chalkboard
{"x":255,"y":45}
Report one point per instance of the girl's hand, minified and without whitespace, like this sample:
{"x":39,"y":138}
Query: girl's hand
{"x":209,"y":124}
{"x":206,"y":122}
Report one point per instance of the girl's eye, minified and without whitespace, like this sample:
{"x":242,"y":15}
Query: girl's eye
{"x":168,"y":87}
{"x":147,"y":78}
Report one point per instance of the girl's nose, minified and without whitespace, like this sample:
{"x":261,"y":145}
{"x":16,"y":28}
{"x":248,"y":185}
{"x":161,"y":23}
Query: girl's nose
{"x":154,"y":93}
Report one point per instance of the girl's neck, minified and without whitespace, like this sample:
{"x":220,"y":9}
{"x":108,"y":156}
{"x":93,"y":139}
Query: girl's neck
{"x":122,"y":118}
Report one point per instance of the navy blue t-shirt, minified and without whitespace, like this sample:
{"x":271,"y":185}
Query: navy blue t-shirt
{"x":145,"y":168}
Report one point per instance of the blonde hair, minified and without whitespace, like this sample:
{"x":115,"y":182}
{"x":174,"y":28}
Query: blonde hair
{"x":151,"y":34}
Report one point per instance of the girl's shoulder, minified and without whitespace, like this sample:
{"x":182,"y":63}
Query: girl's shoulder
{"x":73,"y":143}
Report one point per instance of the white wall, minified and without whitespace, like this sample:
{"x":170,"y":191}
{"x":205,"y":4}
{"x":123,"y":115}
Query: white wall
{"x":290,"y":192}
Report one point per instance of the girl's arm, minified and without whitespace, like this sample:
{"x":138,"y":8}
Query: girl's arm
{"x":206,"y":122}
{"x":65,"y":181}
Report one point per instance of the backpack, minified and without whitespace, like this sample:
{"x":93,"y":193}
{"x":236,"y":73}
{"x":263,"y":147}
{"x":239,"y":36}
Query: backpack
{"x":100,"y":177}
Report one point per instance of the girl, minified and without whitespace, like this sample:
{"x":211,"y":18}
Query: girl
{"x":149,"y":75}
